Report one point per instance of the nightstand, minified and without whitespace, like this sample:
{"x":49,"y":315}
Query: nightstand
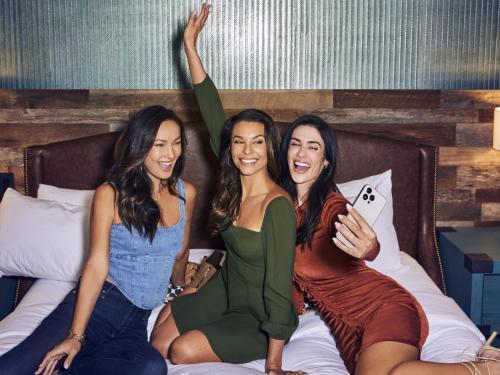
{"x":471,"y":263}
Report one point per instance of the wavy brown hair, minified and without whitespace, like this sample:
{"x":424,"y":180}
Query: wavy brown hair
{"x":129,"y":177}
{"x":226,"y":204}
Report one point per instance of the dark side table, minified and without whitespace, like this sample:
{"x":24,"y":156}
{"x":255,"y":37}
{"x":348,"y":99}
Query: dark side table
{"x":471,"y":263}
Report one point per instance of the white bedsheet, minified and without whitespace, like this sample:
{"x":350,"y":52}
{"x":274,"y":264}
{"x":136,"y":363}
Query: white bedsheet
{"x":452,"y":337}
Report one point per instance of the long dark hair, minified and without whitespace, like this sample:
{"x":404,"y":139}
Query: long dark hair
{"x":226,"y":204}
{"x":129,"y":177}
{"x":323,"y":184}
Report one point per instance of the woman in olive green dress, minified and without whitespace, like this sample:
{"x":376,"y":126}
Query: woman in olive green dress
{"x":245,"y":312}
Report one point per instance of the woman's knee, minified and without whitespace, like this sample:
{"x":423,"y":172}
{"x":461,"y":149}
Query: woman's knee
{"x":182,"y":352}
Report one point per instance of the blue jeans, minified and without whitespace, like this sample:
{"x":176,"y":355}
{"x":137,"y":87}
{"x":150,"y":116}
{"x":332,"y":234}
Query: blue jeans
{"x":116,"y":339}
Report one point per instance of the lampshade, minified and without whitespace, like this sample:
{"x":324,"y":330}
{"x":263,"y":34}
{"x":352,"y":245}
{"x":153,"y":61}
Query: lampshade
{"x":496,"y":129}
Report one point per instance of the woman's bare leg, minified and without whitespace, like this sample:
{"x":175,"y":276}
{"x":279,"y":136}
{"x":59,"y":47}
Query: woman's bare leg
{"x":394,"y":358}
{"x":192,"y":347}
{"x":164,"y":332}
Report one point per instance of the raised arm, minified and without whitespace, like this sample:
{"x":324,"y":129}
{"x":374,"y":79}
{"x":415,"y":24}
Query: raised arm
{"x":93,"y":277}
{"x":204,"y":89}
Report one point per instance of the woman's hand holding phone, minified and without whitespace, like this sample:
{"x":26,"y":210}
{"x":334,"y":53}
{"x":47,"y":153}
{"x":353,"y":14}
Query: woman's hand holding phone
{"x":360,"y":235}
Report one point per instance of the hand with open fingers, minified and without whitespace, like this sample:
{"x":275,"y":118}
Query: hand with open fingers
{"x":195,"y":25}
{"x":357,"y":231}
{"x":69,"y":348}
{"x":191,"y":269}
{"x":279,"y":371}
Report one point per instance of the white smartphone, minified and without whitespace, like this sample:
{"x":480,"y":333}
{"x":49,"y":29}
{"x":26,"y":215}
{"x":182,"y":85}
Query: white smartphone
{"x":369,"y":203}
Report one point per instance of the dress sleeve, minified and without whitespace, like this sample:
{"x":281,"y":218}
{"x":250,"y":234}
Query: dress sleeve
{"x":211,"y":109}
{"x":279,"y":233}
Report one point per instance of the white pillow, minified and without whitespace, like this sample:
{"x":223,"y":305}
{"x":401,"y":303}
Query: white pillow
{"x":41,"y":238}
{"x":388,"y":259}
{"x":76,"y":197}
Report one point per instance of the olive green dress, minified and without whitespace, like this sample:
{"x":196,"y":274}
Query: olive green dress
{"x":250,"y":298}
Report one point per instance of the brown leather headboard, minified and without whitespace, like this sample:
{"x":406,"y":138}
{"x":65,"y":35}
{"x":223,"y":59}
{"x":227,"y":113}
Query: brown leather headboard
{"x":82,"y":164}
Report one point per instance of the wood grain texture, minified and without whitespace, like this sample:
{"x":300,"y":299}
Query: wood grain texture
{"x":474,"y":134}
{"x":23,"y":135}
{"x":490,"y":212}
{"x":460,"y":211}
{"x":473,"y":156}
{"x":481,"y":177}
{"x":487,"y":195}
{"x":23,"y":99}
{"x":397,"y":116}
{"x":11,"y":157}
{"x":454,"y":223}
{"x":433,"y":134}
{"x":387,"y":99}
{"x":137,"y":99}
{"x":454,"y":195}
{"x":67,"y":116}
{"x":446,"y":178}
{"x":470,"y":98}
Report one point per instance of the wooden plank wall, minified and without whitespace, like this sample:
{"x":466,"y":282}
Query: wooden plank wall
{"x":460,"y":122}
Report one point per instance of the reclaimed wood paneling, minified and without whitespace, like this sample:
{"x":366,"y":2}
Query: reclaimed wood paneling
{"x":470,"y":98}
{"x":485,"y":115}
{"x":464,"y":211}
{"x":11,"y":157}
{"x":469,"y":156}
{"x":454,"y":195}
{"x":397,"y":116}
{"x":481,"y":177}
{"x":487,"y":195}
{"x":490,"y":211}
{"x":67,"y":116}
{"x":434,"y":134}
{"x":23,"y":99}
{"x":23,"y":135}
{"x":474,"y":134}
{"x":387,"y":99}
{"x":454,"y":223}
{"x":446,"y":178}
{"x":137,"y":99}
{"x":460,"y":122}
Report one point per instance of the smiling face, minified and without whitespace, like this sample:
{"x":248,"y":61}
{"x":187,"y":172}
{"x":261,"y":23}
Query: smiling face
{"x":248,"y":147}
{"x":306,"y":155}
{"x":167,"y":148}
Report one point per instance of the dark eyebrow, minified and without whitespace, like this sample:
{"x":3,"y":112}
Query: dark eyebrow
{"x":254,"y":137}
{"x":308,"y":142}
{"x":314,"y":142}
{"x":164,"y":140}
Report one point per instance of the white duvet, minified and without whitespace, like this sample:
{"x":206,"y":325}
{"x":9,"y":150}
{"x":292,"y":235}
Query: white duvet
{"x":452,"y":337}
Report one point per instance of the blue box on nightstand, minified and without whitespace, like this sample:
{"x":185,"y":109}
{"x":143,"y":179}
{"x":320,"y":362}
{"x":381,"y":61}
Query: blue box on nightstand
{"x":471,"y":263}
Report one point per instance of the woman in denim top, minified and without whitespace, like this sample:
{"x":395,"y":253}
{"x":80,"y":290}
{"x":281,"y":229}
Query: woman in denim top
{"x":138,"y":242}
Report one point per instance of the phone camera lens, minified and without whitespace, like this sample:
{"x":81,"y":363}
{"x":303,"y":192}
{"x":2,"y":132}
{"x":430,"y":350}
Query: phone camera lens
{"x":372,"y":197}
{"x":369,"y":190}
{"x":365,"y":197}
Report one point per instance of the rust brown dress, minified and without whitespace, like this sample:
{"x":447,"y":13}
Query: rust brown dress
{"x":355,"y":301}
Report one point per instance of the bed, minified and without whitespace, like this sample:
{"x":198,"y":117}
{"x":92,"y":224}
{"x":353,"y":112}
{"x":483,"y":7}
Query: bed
{"x":82,"y":164}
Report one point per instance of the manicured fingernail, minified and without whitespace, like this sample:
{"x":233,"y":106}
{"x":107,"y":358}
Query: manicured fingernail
{"x":337,"y":225}
{"x":341,"y":216}
{"x":348,"y":206}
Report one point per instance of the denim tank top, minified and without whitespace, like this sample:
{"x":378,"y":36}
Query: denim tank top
{"x":141,"y":269}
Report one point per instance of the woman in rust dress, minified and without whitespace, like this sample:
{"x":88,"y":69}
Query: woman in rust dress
{"x":378,"y":326}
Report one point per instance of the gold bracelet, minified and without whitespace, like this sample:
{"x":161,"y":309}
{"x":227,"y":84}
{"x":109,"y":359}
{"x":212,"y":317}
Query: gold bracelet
{"x":75,"y":336}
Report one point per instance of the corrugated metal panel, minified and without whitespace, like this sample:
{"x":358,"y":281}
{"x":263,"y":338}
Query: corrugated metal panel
{"x":262,"y":44}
